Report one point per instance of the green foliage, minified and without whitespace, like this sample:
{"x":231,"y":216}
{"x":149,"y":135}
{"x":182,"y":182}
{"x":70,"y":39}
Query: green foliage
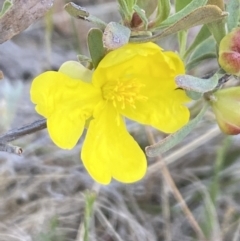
{"x":205,"y":50}
{"x":148,"y":6}
{"x":95,"y":46}
{"x":233,"y":9}
{"x":90,"y":198}
{"x":202,"y":35}
{"x":126,"y":9}
{"x":191,"y":83}
{"x":180,"y":4}
{"x":6,"y":5}
{"x":183,"y":13}
{"x":163,"y":11}
{"x":80,"y":13}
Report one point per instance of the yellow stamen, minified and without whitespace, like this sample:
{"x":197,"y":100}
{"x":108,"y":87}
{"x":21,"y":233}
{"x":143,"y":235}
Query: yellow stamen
{"x":123,"y":93}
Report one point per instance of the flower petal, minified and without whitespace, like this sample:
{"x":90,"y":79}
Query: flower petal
{"x":155,"y":71}
{"x":127,"y":52}
{"x":51,"y":90}
{"x":65,"y":126}
{"x":164,"y":113}
{"x":110,"y":151}
{"x":75,"y":70}
{"x":66,"y":103}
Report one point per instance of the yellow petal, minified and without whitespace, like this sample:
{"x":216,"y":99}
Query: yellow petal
{"x":65,"y":126}
{"x":158,"y":103}
{"x":66,"y":103}
{"x":110,"y":151}
{"x":52,"y":90}
{"x":127,"y":52}
{"x":163,"y":113}
{"x":75,"y":70}
{"x":130,"y":61}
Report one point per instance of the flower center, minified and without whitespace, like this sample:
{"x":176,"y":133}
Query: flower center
{"x":123,"y":93}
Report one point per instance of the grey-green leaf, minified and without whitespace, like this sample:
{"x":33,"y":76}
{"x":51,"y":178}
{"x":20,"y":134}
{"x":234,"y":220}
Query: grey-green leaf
{"x":233,"y":10}
{"x":202,"y":15}
{"x":188,"y":82}
{"x":115,"y":35}
{"x":164,"y":7}
{"x":205,"y":50}
{"x":194,"y":95}
{"x":6,"y":5}
{"x":175,"y":138}
{"x":195,"y":61}
{"x":202,"y":35}
{"x":95,"y":46}
{"x":180,"y":4}
{"x":77,"y":11}
{"x":184,"y":12}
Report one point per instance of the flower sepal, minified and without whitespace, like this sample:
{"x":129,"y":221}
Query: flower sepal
{"x":226,"y":107}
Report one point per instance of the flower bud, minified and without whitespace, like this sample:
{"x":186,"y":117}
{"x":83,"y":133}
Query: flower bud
{"x":229,"y":52}
{"x":226,"y":107}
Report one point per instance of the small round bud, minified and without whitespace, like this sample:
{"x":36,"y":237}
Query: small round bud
{"x":229,"y":52}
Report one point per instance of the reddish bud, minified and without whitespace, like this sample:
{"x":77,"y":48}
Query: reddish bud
{"x":226,"y":107}
{"x":136,"y":20}
{"x":229,"y":52}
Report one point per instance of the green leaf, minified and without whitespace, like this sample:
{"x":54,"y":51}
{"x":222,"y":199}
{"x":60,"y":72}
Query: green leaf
{"x":188,"y":82}
{"x":233,"y":10}
{"x":194,"y":95}
{"x":205,"y":50}
{"x":164,"y":7}
{"x":76,"y":11}
{"x":148,"y":6}
{"x":202,"y":15}
{"x":131,"y":3}
{"x":90,"y":198}
{"x":85,"y":60}
{"x":202,"y":35}
{"x":142,"y":15}
{"x":190,"y":65}
{"x":95,"y":46}
{"x":126,"y":9}
{"x":175,"y":138}
{"x":80,"y":13}
{"x":182,"y":42}
{"x":6,"y":5}
{"x":180,"y":4}
{"x":183,"y":13}
{"x":115,"y":35}
{"x":218,"y":30}
{"x":207,"y":46}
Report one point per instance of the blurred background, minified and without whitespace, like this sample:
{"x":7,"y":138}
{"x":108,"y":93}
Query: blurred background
{"x":46,"y":194}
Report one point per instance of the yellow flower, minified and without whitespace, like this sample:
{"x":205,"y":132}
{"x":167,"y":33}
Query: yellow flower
{"x":135,"y":81}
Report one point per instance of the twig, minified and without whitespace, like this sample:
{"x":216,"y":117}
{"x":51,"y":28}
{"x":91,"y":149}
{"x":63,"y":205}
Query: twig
{"x":21,"y":15}
{"x":17,"y":133}
{"x":168,"y":178}
{"x":11,"y":149}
